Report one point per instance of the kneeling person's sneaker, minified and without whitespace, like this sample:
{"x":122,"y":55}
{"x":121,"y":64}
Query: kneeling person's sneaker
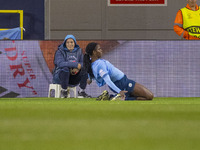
{"x":83,"y":95}
{"x":64,"y":93}
{"x":104,"y":96}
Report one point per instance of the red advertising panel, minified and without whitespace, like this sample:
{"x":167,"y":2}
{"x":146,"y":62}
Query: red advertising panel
{"x":137,"y":2}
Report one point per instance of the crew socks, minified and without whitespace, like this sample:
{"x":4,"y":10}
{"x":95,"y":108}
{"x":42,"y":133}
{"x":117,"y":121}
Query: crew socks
{"x":81,"y":90}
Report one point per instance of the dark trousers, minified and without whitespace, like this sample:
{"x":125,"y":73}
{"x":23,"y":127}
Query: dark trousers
{"x":66,"y":79}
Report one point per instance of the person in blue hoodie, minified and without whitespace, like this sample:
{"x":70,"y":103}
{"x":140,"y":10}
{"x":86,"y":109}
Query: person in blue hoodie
{"x":69,"y":69}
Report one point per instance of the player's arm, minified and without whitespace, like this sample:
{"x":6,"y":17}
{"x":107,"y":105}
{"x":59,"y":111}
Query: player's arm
{"x":114,"y":87}
{"x":103,"y":73}
{"x":108,"y":81}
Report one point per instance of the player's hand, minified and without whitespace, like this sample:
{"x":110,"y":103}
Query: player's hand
{"x":89,"y":81}
{"x":122,"y":93}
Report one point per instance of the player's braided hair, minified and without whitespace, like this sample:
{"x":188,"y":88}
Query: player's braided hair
{"x":87,"y":61}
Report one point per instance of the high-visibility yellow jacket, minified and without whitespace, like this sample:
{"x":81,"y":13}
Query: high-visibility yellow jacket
{"x":187,"y":23}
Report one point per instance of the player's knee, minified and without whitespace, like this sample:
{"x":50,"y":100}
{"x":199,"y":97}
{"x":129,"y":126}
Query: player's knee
{"x":150,"y":96}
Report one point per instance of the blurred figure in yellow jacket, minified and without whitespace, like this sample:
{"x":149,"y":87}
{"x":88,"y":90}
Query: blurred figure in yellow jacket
{"x":187,"y":21}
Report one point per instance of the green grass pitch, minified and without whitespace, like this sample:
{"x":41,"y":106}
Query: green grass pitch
{"x":86,"y":124}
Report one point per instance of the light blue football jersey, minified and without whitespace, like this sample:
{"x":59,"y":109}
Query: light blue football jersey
{"x":101,"y":68}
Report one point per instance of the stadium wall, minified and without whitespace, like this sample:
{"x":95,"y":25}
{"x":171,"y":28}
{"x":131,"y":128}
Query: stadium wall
{"x":95,"y":20}
{"x":167,"y":68}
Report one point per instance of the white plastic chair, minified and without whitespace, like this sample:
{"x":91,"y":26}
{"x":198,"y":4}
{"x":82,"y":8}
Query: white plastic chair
{"x":57,"y":88}
{"x":72,"y":89}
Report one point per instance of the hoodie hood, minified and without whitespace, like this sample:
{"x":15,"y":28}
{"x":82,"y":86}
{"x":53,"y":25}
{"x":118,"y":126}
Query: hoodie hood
{"x":70,"y":37}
